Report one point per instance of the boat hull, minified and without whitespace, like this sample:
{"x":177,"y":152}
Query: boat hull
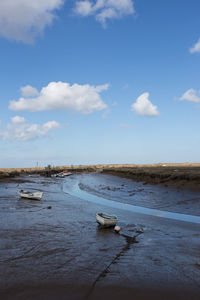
{"x":62,"y":174}
{"x":106,"y":220}
{"x":31,"y":196}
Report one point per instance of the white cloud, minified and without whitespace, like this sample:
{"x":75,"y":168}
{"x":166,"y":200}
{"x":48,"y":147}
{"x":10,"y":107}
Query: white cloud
{"x":104,"y":9}
{"x":62,"y":96}
{"x":29,"y":91}
{"x":23,"y":20}
{"x":196,"y":47}
{"x":19,"y":129}
{"x":191,"y":95}
{"x":143,"y":106}
{"x":83,"y":8}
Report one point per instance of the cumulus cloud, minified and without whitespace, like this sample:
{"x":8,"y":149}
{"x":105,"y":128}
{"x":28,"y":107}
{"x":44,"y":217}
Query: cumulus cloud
{"x":84,"y":99}
{"x":23,"y":20}
{"x":29,"y":91}
{"x":19,"y":129}
{"x":196,"y":47}
{"x":144,"y":107}
{"x":191,"y":95}
{"x":103,"y":10}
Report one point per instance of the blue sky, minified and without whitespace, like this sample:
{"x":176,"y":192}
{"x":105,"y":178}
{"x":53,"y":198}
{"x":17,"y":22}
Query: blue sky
{"x":107,"y":81}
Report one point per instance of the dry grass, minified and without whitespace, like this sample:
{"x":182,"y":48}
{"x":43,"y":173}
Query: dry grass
{"x":99,"y":166}
{"x":176,"y":174}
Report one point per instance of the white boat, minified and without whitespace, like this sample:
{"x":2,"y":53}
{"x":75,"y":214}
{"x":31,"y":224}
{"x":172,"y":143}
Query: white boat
{"x":62,"y":174}
{"x":66,"y":173}
{"x":30,"y":195}
{"x":106,"y":220}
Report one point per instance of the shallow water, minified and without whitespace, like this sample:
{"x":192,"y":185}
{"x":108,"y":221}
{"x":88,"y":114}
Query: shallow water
{"x":119,"y":196}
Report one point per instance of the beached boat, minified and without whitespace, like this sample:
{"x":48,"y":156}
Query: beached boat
{"x":66,"y":173}
{"x":62,"y":174}
{"x":30,"y":195}
{"x":106,"y":220}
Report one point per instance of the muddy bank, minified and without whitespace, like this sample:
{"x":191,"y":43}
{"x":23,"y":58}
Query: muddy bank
{"x":9,"y":173}
{"x":186,"y":175}
{"x":176,"y":176}
{"x":114,"y":191}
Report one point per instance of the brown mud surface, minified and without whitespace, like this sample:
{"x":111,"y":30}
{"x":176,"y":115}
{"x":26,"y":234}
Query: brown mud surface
{"x":179,"y":176}
{"x":53,"y":249}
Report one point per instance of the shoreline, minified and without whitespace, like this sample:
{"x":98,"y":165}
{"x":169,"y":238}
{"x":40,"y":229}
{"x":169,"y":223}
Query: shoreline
{"x":181,"y":176}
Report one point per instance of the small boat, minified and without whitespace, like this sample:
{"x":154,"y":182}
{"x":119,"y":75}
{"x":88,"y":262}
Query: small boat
{"x":66,"y":173}
{"x":106,"y":220}
{"x":30,"y":195}
{"x":62,"y":174}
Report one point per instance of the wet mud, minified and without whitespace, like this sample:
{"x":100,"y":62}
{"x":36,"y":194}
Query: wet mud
{"x":53,"y":249}
{"x":130,"y":240}
{"x":184,"y":176}
{"x":135,"y":193}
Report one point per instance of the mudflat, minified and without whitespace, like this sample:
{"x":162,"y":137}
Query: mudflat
{"x":179,"y":175}
{"x":53,"y":249}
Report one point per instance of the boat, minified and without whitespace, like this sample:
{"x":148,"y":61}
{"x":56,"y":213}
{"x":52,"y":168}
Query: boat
{"x":62,"y":174}
{"x":66,"y":173}
{"x":30,"y":195}
{"x":106,"y":220}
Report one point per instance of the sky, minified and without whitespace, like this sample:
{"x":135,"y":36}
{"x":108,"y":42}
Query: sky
{"x":99,"y":82}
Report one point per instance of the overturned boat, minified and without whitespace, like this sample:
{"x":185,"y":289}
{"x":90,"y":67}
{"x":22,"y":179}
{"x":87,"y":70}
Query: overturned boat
{"x":30,"y":195}
{"x":106,"y":220}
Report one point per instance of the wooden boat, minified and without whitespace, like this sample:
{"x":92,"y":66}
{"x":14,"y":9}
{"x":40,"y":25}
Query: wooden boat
{"x":106,"y":220}
{"x":30,"y":195}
